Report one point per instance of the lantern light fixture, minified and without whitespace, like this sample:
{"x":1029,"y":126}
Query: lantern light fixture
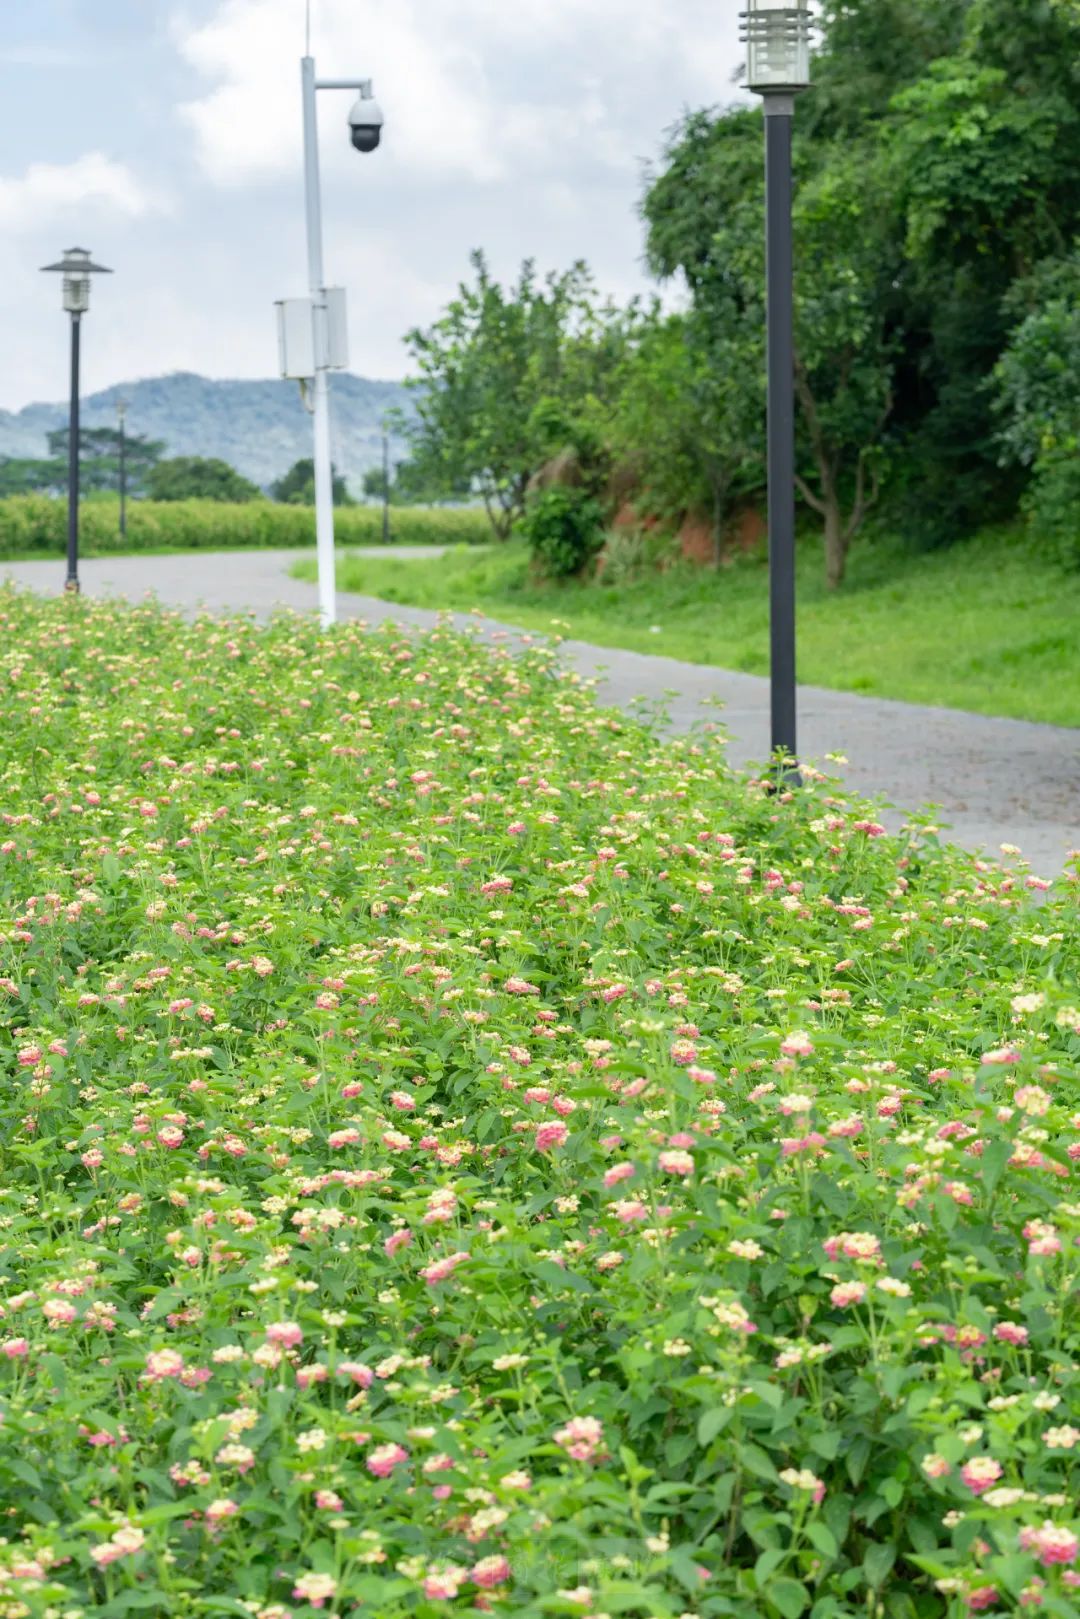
{"x":777,"y":38}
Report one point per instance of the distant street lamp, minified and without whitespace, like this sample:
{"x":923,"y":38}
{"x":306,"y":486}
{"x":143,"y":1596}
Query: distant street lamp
{"x":312,"y":331}
{"x":76,"y":268}
{"x":777,"y":37}
{"x":121,"y":413}
{"x":385,"y":488}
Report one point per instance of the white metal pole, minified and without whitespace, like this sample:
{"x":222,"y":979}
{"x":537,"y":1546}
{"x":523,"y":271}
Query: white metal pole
{"x":324,"y":489}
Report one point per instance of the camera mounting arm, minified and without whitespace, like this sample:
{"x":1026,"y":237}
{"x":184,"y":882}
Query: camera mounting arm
{"x":363,"y":85}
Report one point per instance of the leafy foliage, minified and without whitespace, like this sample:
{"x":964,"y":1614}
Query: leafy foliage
{"x":99,"y":464}
{"x":472,"y":1150}
{"x":563,"y":529}
{"x":194,"y":477}
{"x":485,"y":366}
{"x":297,"y":486}
{"x":1039,"y":402}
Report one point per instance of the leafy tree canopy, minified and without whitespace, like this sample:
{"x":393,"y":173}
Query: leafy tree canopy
{"x":297,"y":486}
{"x":195,"y":477}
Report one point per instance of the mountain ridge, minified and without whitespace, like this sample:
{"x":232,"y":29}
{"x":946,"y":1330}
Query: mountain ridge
{"x":260,"y":426}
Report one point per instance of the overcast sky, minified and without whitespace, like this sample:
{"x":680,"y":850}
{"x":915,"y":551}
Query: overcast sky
{"x":164,"y":135}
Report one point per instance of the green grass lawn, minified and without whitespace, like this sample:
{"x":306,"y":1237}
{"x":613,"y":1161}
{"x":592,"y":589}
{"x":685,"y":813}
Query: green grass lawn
{"x":987,"y":626}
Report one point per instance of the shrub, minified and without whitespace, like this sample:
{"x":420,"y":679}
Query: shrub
{"x":1037,"y":400}
{"x":36,"y":523}
{"x":563,"y":529}
{"x":461,"y":1150}
{"x":1052,"y":504}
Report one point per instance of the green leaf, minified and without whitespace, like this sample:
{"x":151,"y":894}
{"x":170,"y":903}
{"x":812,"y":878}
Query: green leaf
{"x":878,"y":1561}
{"x":711,"y":1422}
{"x":826,"y":1443}
{"x":822,"y":1538}
{"x":755,"y":1461}
{"x":788,"y":1596}
{"x":992,"y":1163}
{"x":555,"y":1276}
{"x":856,"y":1457}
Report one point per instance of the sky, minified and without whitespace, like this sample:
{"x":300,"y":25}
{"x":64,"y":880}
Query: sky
{"x":165,"y":136}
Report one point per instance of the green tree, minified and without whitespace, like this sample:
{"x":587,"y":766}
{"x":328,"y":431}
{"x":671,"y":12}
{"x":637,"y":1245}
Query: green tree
{"x":297,"y":486}
{"x":99,"y":458}
{"x":194,"y":477}
{"x":24,"y":476}
{"x":705,"y":214}
{"x":1038,"y":401}
{"x":484,"y":366}
{"x":980,"y":153}
{"x":689,"y":423}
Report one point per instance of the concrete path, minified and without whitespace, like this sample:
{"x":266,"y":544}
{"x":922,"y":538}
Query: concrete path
{"x":994,"y":780}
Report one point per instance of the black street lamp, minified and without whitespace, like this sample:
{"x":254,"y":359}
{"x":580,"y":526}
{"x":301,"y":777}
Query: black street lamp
{"x":777,"y":37}
{"x":385,"y":488}
{"x":121,"y":415}
{"x":76,"y":268}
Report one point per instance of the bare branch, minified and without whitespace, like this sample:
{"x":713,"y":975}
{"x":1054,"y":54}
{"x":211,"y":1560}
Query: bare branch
{"x":813,"y":422}
{"x":809,"y":496}
{"x":864,"y":499}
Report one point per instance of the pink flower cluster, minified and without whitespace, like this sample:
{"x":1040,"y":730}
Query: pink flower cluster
{"x":581,"y":1438}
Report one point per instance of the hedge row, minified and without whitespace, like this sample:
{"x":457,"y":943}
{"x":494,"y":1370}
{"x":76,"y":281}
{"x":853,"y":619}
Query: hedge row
{"x":30,"y":523}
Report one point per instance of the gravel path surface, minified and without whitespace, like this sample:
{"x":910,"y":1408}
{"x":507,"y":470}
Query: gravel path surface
{"x":992,"y":781}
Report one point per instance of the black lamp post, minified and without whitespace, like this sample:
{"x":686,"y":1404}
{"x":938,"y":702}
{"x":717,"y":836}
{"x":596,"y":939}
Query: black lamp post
{"x":777,"y":36}
{"x":385,"y":488}
{"x":76,"y":268}
{"x":121,"y":415}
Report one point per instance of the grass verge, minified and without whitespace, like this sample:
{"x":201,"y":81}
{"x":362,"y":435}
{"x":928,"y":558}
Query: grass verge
{"x":987,"y":626}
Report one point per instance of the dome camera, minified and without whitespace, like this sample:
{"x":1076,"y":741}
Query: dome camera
{"x":365,"y":123}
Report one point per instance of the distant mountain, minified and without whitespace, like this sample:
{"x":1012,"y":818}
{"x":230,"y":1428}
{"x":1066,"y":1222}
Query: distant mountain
{"x":260,"y":428}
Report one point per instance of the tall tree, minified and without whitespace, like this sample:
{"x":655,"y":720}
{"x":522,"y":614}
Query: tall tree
{"x":1038,"y":400}
{"x":485,"y":364}
{"x":297,"y":486}
{"x":981,"y":159}
{"x":99,"y":457}
{"x":705,"y":216}
{"x":689,"y":422}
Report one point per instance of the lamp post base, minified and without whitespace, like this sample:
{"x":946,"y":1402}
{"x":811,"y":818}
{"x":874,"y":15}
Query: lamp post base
{"x":784,"y":776}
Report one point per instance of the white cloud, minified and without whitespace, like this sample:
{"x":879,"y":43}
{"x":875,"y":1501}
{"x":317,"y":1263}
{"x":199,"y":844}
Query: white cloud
{"x":48,"y":192}
{"x":515,"y":125}
{"x":473,"y":89}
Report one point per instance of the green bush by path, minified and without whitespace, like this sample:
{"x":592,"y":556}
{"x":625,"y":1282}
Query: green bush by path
{"x":460,"y":1152}
{"x":992,"y":626}
{"x":35,"y":524}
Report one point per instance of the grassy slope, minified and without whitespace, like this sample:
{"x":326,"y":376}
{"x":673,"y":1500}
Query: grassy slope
{"x":986,"y":626}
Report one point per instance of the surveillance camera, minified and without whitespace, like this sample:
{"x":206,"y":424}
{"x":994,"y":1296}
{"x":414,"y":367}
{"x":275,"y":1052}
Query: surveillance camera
{"x":365,"y":123}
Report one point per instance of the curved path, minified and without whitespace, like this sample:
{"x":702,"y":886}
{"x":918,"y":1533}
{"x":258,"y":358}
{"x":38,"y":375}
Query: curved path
{"x":992,"y":781}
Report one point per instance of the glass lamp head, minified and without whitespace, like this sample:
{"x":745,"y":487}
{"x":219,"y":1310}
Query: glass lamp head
{"x":777,"y":38}
{"x":76,"y":267}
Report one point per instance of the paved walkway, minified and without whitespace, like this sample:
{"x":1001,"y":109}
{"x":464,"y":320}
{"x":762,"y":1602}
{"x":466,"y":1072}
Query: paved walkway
{"x":995,"y":780}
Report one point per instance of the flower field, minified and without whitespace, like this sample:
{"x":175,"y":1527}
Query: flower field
{"x":461,"y":1153}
